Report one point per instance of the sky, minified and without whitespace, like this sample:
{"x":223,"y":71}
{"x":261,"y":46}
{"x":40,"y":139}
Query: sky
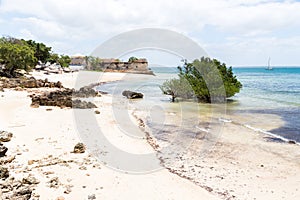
{"x":237,"y":32}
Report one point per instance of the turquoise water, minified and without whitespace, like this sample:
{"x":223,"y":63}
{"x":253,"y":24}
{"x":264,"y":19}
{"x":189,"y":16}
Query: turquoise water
{"x":275,"y":92}
{"x":277,"y":87}
{"x":270,"y":92}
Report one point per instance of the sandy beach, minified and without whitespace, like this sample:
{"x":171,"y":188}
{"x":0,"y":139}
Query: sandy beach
{"x":242,"y":164}
{"x":43,"y":141}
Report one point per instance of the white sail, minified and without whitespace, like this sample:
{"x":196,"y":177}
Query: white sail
{"x":269,"y":64}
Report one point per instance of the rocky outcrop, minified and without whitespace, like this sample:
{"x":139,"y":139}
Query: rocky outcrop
{"x":24,"y":82}
{"x":4,"y":174}
{"x":86,"y":92}
{"x":132,"y":95}
{"x":5,"y":136}
{"x":64,"y":98}
{"x":16,"y":189}
{"x":82,"y":104}
{"x":3,"y":150}
{"x":79,"y":148}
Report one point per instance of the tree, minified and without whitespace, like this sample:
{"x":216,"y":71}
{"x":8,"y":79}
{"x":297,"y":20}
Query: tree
{"x":64,"y":61}
{"x":54,"y":58}
{"x":209,"y":80}
{"x":177,"y":88}
{"x":41,"y":51}
{"x":93,"y":63}
{"x":132,"y":59}
{"x":15,"y":54}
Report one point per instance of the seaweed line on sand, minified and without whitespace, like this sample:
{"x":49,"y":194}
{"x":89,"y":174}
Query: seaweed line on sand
{"x":153,"y":143}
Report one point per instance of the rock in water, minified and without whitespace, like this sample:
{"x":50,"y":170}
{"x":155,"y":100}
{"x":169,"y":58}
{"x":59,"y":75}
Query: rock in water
{"x":5,"y":136}
{"x":292,"y":142}
{"x":3,"y":150}
{"x":79,"y":148}
{"x":132,"y":95}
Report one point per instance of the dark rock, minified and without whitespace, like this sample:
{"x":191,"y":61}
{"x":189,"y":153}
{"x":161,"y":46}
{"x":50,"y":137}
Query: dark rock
{"x":23,"y":193}
{"x":5,"y":136}
{"x":60,"y":98}
{"x":79,"y":148}
{"x":24,"y":82}
{"x":59,"y":84}
{"x":82,"y":104}
{"x":3,"y":150}
{"x":97,"y":112}
{"x":92,"y":197}
{"x":292,"y":142}
{"x":54,"y":182}
{"x":4,"y":174}
{"x":30,"y":180}
{"x":132,"y":95}
{"x":86,"y":92}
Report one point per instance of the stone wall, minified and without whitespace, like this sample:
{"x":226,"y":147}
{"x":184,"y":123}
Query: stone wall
{"x":138,"y":66}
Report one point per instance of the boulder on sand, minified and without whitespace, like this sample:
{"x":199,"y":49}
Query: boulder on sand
{"x":79,"y":148}
{"x":3,"y":150}
{"x":5,"y":136}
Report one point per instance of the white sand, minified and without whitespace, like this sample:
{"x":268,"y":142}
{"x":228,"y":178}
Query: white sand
{"x":48,"y":137}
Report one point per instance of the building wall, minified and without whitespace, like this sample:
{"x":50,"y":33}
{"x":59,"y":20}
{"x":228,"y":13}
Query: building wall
{"x":78,"y":60}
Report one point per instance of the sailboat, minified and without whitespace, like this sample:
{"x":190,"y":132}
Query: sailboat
{"x":269,"y":65}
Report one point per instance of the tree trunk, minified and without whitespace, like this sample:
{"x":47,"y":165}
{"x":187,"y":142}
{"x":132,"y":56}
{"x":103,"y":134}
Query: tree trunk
{"x":173,"y":98}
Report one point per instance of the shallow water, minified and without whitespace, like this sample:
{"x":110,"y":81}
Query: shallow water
{"x":269,"y":100}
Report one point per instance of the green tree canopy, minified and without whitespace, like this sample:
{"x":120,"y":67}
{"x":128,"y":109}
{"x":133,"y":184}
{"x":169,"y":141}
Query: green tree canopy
{"x":64,"y":61}
{"x":21,"y":54}
{"x":209,"y":80}
{"x":15,"y":54}
{"x":54,"y":58}
{"x":132,"y":59}
{"x":41,"y":51}
{"x":177,"y":88}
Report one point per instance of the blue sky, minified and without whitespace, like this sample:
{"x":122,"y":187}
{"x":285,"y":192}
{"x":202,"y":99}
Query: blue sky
{"x":238,"y":32}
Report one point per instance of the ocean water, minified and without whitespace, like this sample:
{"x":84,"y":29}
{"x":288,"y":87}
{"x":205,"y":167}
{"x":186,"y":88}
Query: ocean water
{"x":267,"y":97}
{"x":273,"y":92}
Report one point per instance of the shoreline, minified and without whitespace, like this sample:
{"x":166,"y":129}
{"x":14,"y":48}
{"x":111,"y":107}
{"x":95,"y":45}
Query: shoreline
{"x":234,"y":151}
{"x":238,"y":155}
{"x":44,"y":137}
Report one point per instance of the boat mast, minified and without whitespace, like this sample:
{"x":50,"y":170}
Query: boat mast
{"x":269,"y":65}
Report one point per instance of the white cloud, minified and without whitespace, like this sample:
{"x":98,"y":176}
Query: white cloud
{"x":42,"y":27}
{"x":70,"y":23}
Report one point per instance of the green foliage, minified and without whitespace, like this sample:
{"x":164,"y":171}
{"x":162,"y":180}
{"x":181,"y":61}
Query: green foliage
{"x":15,"y":54}
{"x":54,"y":58}
{"x":41,"y":51}
{"x":93,"y":63}
{"x":132,"y":59}
{"x":210,"y":81}
{"x":177,"y":88}
{"x":21,"y":54}
{"x":64,"y":61}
